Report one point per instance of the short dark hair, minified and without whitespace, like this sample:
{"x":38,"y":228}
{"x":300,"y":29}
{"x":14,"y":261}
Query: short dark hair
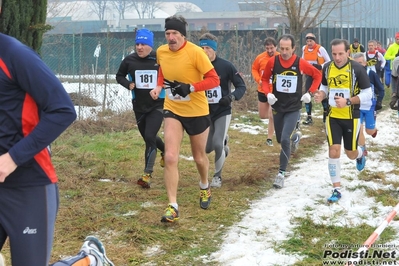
{"x":288,"y":37}
{"x":270,"y":41}
{"x":208,"y":36}
{"x":340,"y":41}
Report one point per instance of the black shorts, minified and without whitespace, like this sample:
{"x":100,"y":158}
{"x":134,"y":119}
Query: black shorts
{"x":262,"y":97}
{"x":343,"y":129}
{"x":192,"y":125}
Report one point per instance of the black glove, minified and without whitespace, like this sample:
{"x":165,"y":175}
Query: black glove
{"x":169,"y":84}
{"x":177,"y":87}
{"x":226,"y":100}
{"x":378,"y":106}
{"x":319,"y":67}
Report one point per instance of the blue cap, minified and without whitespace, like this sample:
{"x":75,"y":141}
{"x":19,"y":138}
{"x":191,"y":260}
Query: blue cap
{"x":145,"y":36}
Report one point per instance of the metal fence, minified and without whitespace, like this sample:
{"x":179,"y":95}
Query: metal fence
{"x":89,"y":72}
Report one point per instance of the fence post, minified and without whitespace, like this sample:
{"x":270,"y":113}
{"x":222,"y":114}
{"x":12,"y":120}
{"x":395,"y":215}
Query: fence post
{"x":80,"y":77}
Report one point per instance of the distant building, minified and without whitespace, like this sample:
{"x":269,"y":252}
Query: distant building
{"x":240,"y":20}
{"x":80,"y":16}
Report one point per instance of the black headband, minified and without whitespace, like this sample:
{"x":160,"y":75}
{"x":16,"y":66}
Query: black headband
{"x":174,"y":24}
{"x":310,"y":38}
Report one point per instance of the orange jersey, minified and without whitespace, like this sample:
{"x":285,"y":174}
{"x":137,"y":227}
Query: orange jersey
{"x":258,"y":67}
{"x":313,"y":56}
{"x":188,"y":65}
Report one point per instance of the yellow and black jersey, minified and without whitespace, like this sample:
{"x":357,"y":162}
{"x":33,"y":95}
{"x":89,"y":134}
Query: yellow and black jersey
{"x":358,"y":49}
{"x":346,"y":81}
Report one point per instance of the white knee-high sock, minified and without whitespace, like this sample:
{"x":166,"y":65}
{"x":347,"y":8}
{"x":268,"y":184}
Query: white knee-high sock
{"x":334,"y":168}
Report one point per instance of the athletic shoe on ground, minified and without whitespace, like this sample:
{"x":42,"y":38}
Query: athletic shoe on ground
{"x":216,"y":181}
{"x":171,"y":215}
{"x":279,"y":181}
{"x":205,"y":198}
{"x":162,"y":161}
{"x":295,"y":138}
{"x":361,"y":163}
{"x":336,"y":195}
{"x":308,"y":121}
{"x":145,"y":180}
{"x":269,"y":142}
{"x":2,"y":261}
{"x":93,"y":246}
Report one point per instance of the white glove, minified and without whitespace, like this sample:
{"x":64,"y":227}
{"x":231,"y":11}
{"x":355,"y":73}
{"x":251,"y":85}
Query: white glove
{"x":306,"y":98}
{"x":271,"y":99}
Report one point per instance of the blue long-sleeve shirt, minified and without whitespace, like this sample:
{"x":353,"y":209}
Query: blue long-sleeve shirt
{"x":378,"y":87}
{"x":34,"y":110}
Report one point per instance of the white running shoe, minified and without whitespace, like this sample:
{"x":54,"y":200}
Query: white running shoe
{"x":279,"y":181}
{"x":216,"y":181}
{"x":2,"y":261}
{"x":93,"y":246}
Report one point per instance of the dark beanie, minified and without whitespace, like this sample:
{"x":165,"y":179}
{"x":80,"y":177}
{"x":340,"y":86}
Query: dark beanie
{"x":175,"y":24}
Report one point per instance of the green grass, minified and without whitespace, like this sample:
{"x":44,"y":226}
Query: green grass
{"x":311,"y":239}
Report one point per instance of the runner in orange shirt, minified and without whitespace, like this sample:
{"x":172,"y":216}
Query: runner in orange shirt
{"x":316,"y":55}
{"x":258,"y":66}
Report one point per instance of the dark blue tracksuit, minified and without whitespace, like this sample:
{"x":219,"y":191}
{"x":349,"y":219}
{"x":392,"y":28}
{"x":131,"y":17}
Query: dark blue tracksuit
{"x":34,"y":110}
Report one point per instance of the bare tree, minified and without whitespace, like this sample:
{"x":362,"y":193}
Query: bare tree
{"x":146,"y":8}
{"x":184,"y":8}
{"x":121,"y":6}
{"x":152,"y":7}
{"x":302,"y":14}
{"x":60,"y":9}
{"x":98,"y":7}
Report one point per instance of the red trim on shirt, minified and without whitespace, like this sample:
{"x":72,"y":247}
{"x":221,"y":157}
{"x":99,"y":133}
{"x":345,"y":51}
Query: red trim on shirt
{"x":211,"y":80}
{"x":304,"y":67}
{"x":160,"y":77}
{"x":30,"y":118}
{"x":5,"y":69}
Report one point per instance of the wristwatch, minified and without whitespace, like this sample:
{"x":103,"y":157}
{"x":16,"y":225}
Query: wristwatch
{"x":348,"y":102}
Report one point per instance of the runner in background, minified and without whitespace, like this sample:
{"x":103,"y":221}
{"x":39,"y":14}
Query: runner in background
{"x":142,"y":69}
{"x":220,"y":100}
{"x":264,"y":108}
{"x":316,"y":55}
